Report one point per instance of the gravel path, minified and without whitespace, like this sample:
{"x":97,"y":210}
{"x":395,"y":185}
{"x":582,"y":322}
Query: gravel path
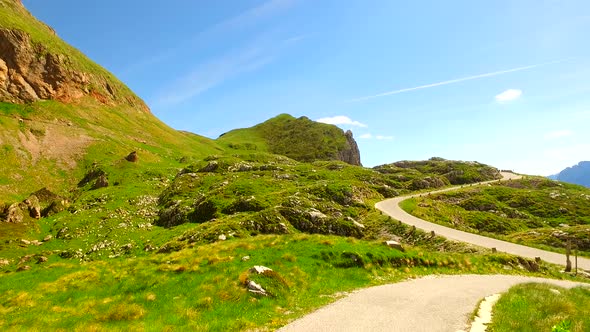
{"x":433,"y":303}
{"x":391,"y":208}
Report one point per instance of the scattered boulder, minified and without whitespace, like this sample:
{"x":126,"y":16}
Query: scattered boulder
{"x":34,"y":207}
{"x":222,"y":237}
{"x":48,"y":238}
{"x":394,"y":244}
{"x":245,"y":258}
{"x":256,"y":288}
{"x":316,"y":215}
{"x":91,"y":176}
{"x":173,"y":215}
{"x":25,"y":259}
{"x":149,"y":247}
{"x":212,"y":166}
{"x":23,"y":268}
{"x":101,"y":182}
{"x":14,"y":214}
{"x":529,"y":265}
{"x":41,"y":259}
{"x":46,"y":195}
{"x":132,"y":157}
{"x":4,"y":262}
{"x":55,"y":207}
{"x":259,"y":269}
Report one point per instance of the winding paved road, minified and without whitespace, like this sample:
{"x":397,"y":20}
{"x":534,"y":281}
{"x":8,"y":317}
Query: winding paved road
{"x":430,"y":304}
{"x":391,"y":207}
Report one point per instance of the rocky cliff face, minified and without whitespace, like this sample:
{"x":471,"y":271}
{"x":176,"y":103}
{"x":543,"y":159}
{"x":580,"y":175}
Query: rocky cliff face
{"x":351,"y":153}
{"x":29,"y":72}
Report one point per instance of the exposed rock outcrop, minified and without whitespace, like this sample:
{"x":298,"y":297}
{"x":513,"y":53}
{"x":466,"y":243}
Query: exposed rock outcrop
{"x":30,"y":72}
{"x":132,"y":157}
{"x":16,"y":212}
{"x":351,"y":153}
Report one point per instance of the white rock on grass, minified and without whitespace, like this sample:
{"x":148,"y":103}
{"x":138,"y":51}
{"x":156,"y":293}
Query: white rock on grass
{"x":256,"y":288}
{"x":259,"y":269}
{"x":394,"y":244}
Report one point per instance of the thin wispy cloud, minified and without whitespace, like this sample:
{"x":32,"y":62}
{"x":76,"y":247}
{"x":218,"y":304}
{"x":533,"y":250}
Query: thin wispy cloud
{"x":213,"y":73}
{"x":236,"y":23}
{"x":456,"y":80}
{"x":341,"y":120}
{"x":508,"y":95}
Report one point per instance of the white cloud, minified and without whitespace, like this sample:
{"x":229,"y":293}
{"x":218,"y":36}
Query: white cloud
{"x":341,"y":120}
{"x":509,"y":95}
{"x":457,"y":80}
{"x":377,"y":137}
{"x":558,"y":134}
{"x":381,"y":137}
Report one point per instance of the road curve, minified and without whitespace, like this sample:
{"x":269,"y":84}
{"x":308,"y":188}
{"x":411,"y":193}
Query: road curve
{"x":433,"y":303}
{"x":391,"y":207}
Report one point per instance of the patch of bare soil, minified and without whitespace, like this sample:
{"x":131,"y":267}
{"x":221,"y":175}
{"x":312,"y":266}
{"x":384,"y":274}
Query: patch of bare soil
{"x":63,"y":144}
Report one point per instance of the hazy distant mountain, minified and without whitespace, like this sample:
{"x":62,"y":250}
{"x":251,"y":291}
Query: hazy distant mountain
{"x":579,"y":174}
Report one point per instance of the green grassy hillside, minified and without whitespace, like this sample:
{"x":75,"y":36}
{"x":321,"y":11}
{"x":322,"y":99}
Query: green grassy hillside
{"x":533,"y":211}
{"x":50,"y":143}
{"x":14,"y":16}
{"x":300,"y":139}
{"x":163,"y":238}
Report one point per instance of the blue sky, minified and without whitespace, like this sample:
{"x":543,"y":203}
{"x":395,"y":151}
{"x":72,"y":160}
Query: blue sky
{"x":503,"y":82}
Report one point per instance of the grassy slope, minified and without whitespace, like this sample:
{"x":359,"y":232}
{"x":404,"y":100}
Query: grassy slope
{"x":109,"y":132}
{"x":529,"y":211}
{"x":202,"y":288}
{"x":15,"y":16}
{"x":538,"y":307}
{"x":123,"y":283}
{"x":125,"y":286}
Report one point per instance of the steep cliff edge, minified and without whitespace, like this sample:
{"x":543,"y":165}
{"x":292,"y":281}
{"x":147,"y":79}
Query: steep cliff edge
{"x":36,"y":65}
{"x":351,"y":153}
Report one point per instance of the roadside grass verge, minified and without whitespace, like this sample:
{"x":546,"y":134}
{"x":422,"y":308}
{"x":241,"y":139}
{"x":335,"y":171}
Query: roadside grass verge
{"x":203,"y":287}
{"x":535,"y":212}
{"x":540,"y":307}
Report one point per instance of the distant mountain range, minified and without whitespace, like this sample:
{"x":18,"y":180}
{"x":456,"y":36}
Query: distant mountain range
{"x":578,"y":174}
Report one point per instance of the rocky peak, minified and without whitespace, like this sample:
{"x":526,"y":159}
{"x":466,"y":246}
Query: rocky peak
{"x":351,"y":153}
